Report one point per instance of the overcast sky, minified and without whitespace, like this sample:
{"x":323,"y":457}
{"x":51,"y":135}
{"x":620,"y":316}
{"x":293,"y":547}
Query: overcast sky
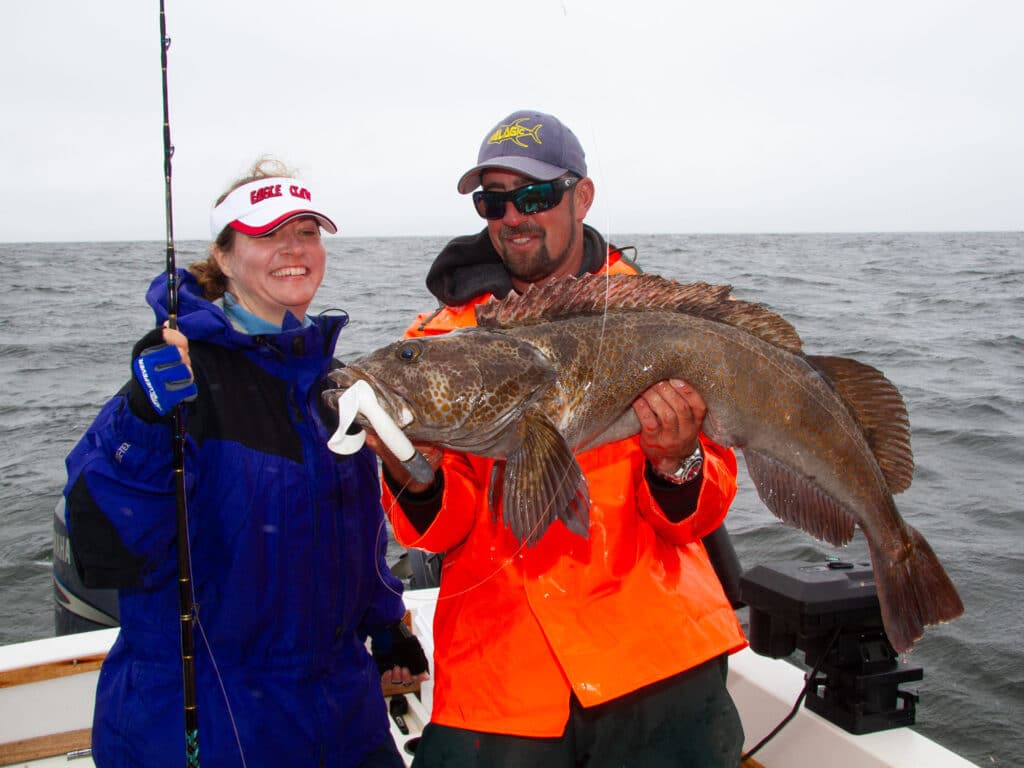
{"x":711,"y":116}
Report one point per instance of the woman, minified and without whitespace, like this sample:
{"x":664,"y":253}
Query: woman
{"x":287,"y":539}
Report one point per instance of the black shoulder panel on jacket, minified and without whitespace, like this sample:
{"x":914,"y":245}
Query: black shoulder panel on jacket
{"x":240,"y":402}
{"x":101,"y":558}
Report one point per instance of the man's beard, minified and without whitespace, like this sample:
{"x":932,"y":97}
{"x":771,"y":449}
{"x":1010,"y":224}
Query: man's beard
{"x":540,"y":264}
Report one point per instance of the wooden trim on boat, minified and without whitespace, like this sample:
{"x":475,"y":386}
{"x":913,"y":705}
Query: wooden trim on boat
{"x":38,"y":672}
{"x":22,"y":751}
{"x":79,"y":664}
{"x":391,"y":690}
{"x":15,"y":752}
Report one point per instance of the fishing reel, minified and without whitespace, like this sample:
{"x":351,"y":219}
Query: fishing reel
{"x":831,"y":612}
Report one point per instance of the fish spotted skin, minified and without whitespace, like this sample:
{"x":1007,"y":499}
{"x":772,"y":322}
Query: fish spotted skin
{"x":555,"y":371}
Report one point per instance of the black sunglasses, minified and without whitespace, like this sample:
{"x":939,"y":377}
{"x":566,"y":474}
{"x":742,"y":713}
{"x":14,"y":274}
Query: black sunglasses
{"x":533,"y":198}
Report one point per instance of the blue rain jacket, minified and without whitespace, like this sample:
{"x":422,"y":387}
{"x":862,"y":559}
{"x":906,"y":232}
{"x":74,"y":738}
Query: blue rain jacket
{"x":287,"y":543}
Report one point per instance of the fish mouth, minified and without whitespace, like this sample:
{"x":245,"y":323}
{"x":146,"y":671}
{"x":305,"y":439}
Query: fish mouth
{"x":394,"y":405}
{"x":483,"y":439}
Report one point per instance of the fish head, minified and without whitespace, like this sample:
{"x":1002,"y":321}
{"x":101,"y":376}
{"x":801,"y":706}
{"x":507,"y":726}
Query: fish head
{"x":465,"y":390}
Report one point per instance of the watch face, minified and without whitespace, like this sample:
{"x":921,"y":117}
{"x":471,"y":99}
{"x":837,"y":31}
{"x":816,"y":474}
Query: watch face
{"x":687,"y":471}
{"x":691,"y":469}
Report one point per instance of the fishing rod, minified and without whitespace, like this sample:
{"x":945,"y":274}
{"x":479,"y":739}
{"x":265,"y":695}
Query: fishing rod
{"x":185,"y":598}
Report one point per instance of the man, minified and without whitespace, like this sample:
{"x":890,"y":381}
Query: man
{"x":607,"y":650}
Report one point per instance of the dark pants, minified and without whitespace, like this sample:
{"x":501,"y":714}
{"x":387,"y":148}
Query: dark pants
{"x":385,"y":756}
{"x":686,"y":720}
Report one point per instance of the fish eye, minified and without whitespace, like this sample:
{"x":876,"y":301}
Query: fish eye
{"x":409,"y":351}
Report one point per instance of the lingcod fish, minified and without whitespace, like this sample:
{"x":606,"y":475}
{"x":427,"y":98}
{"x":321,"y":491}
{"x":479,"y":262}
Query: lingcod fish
{"x":826,"y":440}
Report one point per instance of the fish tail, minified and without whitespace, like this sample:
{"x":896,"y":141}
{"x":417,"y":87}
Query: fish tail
{"x":915,"y":591}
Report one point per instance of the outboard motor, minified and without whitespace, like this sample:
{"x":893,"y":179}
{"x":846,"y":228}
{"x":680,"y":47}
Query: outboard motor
{"x":76,"y":608}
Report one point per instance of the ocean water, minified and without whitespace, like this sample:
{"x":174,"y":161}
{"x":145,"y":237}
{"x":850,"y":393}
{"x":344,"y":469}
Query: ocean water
{"x":942,"y":314}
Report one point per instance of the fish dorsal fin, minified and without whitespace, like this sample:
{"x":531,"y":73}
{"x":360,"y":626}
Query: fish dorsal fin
{"x":600,"y":294}
{"x":878,"y":407}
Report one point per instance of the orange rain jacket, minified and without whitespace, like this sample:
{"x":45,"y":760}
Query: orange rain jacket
{"x":517,"y":629}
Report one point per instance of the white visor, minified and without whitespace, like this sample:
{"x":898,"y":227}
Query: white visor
{"x":261,"y":206}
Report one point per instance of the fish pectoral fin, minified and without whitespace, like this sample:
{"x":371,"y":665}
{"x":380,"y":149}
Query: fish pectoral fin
{"x":543,"y":482}
{"x":797,"y":500}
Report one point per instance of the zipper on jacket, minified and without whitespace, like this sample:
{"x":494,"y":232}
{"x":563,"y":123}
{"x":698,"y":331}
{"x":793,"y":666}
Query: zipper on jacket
{"x":310,"y":456}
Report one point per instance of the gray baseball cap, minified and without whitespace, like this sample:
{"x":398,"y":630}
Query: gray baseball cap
{"x":534,"y":144}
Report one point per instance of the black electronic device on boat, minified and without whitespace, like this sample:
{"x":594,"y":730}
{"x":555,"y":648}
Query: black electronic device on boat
{"x":830,"y":611}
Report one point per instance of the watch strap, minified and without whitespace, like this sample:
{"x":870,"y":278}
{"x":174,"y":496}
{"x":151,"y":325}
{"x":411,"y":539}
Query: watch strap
{"x":688,"y":470}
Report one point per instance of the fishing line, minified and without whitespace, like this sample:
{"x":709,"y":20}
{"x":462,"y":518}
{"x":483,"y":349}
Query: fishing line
{"x":508,"y":561}
{"x":223,"y":693}
{"x":565,"y":477}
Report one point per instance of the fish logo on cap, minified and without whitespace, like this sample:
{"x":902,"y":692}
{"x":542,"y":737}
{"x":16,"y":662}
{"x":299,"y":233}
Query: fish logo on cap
{"x":515,"y":132}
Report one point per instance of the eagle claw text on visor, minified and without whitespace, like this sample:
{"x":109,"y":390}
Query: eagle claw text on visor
{"x":261,"y":206}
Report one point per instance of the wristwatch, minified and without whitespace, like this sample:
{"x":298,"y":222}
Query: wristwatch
{"x":688,"y":468}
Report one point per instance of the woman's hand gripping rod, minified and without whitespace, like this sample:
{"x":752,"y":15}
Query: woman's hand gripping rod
{"x":359,"y":398}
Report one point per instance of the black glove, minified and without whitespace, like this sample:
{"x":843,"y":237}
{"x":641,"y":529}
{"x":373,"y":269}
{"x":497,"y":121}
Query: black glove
{"x":396,"y":646}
